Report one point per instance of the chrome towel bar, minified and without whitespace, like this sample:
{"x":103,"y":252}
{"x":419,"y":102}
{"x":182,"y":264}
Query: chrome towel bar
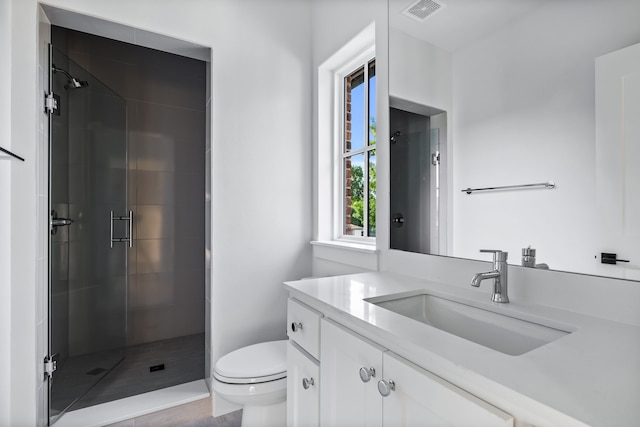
{"x":549,"y":184}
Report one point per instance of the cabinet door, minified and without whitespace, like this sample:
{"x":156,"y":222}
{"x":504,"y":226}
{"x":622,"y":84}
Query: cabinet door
{"x":421,"y":398}
{"x":345,"y":399}
{"x":303,"y":388}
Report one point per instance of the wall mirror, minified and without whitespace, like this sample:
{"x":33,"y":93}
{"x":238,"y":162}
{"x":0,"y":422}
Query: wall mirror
{"x":502,"y":93}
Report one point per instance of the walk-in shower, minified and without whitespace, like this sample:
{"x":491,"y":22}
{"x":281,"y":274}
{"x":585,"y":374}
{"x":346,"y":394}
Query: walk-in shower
{"x":127,"y":224}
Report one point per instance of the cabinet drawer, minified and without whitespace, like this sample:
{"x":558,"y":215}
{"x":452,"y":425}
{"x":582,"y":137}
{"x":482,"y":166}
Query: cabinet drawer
{"x":303,"y":388}
{"x":303,"y":327}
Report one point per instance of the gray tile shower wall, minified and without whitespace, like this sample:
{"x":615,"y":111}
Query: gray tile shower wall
{"x":166,"y":103}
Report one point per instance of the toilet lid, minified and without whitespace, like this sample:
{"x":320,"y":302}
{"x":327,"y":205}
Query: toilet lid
{"x":261,"y":362}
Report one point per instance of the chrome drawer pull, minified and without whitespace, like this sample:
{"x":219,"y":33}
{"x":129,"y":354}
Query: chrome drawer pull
{"x":386,"y":387}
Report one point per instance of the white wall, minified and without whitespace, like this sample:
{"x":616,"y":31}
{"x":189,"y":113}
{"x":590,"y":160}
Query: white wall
{"x":419,"y":71}
{"x":336,"y":22}
{"x":5,"y":215}
{"x":261,"y":153}
{"x":524,"y":113}
{"x":24,"y":202}
{"x":261,"y":92}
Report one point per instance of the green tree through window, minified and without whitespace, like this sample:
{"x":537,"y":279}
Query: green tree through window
{"x":357,"y":190}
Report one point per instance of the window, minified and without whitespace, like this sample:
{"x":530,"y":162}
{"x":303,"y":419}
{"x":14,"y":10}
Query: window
{"x":358,"y":150}
{"x":345,"y":160}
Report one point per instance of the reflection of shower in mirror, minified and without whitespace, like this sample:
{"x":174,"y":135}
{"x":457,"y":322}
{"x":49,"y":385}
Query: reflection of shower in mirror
{"x":418,"y":148}
{"x":395,"y":136}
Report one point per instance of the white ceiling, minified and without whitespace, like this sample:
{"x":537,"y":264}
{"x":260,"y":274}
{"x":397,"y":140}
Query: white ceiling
{"x":461,"y":21}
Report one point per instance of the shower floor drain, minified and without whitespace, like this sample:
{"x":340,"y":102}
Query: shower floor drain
{"x":96,"y":371}
{"x":156,"y":368}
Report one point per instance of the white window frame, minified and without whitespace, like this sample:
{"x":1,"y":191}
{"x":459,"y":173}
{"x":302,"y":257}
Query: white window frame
{"x":339,"y":214}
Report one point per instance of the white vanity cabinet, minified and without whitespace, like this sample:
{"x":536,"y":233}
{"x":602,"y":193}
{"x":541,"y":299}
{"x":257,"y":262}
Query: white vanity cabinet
{"x":366,"y":385}
{"x":346,"y":398}
{"x":303,"y":366}
{"x":303,"y":392}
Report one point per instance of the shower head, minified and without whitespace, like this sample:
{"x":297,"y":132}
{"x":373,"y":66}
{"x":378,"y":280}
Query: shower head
{"x":73,"y":83}
{"x":76,"y":84}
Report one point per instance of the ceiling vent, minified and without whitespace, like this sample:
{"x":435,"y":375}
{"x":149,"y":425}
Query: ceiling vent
{"x":423,"y":9}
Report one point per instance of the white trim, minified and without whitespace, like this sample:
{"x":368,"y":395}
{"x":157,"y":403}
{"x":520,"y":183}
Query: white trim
{"x":352,"y":254}
{"x":342,"y":244}
{"x":369,"y":241}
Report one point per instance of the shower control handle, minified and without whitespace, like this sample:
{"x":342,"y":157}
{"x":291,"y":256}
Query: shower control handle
{"x":307,"y":382}
{"x":59,"y":222}
{"x":56,"y":222}
{"x":397,"y":220}
{"x":296,"y":326}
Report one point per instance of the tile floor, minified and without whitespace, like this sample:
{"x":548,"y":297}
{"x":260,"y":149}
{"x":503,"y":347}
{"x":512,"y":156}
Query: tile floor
{"x":183,"y":360}
{"x":234,"y":419}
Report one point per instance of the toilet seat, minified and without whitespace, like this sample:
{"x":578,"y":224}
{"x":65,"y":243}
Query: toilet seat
{"x":252,"y":380}
{"x":258,"y":363}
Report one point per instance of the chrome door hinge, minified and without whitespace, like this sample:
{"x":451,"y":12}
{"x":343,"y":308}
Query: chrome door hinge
{"x":50,"y":103}
{"x":435,"y":158}
{"x":50,"y":366}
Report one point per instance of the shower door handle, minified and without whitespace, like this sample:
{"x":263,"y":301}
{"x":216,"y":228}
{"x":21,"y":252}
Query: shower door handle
{"x":122,"y":239}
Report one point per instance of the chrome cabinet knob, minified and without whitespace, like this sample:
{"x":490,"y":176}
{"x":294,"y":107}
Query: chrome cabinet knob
{"x":296,"y":326}
{"x":386,"y":387}
{"x":307,"y":382}
{"x":366,"y":374}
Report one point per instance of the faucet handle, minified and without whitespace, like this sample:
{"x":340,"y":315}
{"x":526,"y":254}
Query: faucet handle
{"x":498,"y":255}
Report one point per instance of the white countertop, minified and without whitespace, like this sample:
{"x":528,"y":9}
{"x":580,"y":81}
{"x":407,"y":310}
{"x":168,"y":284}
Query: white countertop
{"x":588,"y":377}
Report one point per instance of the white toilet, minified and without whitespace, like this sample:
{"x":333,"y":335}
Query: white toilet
{"x":255,"y":377}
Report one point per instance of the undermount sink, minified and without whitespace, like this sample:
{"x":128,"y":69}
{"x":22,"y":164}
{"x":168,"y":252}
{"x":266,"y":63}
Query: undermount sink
{"x":505,"y":334}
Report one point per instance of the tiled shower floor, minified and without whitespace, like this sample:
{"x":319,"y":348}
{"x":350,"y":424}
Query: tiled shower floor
{"x":183,"y":360}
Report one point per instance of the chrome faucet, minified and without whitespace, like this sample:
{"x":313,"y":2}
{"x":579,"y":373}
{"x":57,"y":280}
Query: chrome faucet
{"x":498,"y":274}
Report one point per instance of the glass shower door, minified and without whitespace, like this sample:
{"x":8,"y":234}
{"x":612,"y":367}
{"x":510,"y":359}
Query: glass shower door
{"x":89,"y":232}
